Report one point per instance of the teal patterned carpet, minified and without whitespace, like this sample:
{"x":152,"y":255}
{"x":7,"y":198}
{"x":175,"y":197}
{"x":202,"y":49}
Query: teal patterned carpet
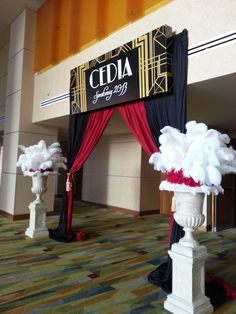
{"x":106,"y":274}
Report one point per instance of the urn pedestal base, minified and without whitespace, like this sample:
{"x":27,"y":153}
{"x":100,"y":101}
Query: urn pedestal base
{"x":37,"y":226}
{"x":188,"y":281}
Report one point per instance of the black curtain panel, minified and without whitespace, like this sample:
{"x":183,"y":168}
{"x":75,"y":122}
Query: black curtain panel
{"x":77,"y":126}
{"x":170,"y":109}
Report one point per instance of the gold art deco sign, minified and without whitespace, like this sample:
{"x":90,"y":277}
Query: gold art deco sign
{"x":138,"y":69}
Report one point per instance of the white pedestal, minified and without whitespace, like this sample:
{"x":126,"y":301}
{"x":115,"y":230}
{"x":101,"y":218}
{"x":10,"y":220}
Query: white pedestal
{"x":188,"y":281}
{"x":37,"y":225}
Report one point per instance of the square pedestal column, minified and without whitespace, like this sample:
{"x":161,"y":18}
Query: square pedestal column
{"x":188,"y":281}
{"x":37,"y":225}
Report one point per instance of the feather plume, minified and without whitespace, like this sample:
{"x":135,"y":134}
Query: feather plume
{"x":201,"y":154}
{"x":38,"y":158}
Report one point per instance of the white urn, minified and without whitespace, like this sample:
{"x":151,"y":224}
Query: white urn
{"x":39,"y":187}
{"x":188,"y":214}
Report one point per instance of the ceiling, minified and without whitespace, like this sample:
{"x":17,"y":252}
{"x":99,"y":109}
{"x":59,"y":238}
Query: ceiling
{"x":9,"y":9}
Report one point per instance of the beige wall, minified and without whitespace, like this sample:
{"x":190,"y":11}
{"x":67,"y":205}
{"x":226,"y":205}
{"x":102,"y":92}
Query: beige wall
{"x":117,"y":174}
{"x":15,"y":193}
{"x":1,"y":154}
{"x":112,"y":173}
{"x":3,"y":83}
{"x":150,"y":180}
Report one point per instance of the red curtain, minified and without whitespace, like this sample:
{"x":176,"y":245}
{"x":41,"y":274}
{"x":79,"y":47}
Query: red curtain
{"x":134,"y":115}
{"x":96,"y":124}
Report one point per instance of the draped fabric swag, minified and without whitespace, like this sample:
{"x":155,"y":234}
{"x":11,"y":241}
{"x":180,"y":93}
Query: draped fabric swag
{"x":91,"y":126}
{"x":77,"y":127}
{"x":91,"y":129}
{"x":134,"y":116}
{"x":144,"y":118}
{"x":96,"y":124}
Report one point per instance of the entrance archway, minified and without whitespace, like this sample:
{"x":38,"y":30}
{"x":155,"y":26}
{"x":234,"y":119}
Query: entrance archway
{"x":145,"y":119}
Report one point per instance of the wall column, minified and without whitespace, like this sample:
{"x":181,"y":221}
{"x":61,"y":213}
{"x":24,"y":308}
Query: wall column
{"x":15,"y":191}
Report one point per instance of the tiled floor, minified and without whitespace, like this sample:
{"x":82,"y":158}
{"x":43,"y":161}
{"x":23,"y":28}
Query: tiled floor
{"x":105,"y":274}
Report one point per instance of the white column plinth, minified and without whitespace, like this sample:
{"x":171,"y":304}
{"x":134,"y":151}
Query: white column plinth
{"x":188,"y":281}
{"x":37,"y":225}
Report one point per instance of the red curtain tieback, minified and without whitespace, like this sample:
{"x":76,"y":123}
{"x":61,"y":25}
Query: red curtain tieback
{"x":69,"y":180}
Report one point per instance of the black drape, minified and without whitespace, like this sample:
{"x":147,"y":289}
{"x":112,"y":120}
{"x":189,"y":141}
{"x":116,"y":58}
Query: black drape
{"x":170,"y":109}
{"x":77,"y":126}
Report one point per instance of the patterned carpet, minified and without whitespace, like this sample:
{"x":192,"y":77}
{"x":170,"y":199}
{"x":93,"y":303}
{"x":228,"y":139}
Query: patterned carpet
{"x":103,"y":275}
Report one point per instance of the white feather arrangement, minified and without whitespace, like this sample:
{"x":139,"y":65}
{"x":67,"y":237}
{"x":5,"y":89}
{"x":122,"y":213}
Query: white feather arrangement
{"x":41,"y":160}
{"x":194,"y":161}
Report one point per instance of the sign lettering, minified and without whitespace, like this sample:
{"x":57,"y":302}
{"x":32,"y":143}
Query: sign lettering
{"x":138,"y":69}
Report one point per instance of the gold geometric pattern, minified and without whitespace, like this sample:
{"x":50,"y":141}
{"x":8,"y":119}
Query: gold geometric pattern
{"x":154,"y":67}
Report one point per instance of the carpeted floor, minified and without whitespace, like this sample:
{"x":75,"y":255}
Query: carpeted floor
{"x":106,"y":274}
